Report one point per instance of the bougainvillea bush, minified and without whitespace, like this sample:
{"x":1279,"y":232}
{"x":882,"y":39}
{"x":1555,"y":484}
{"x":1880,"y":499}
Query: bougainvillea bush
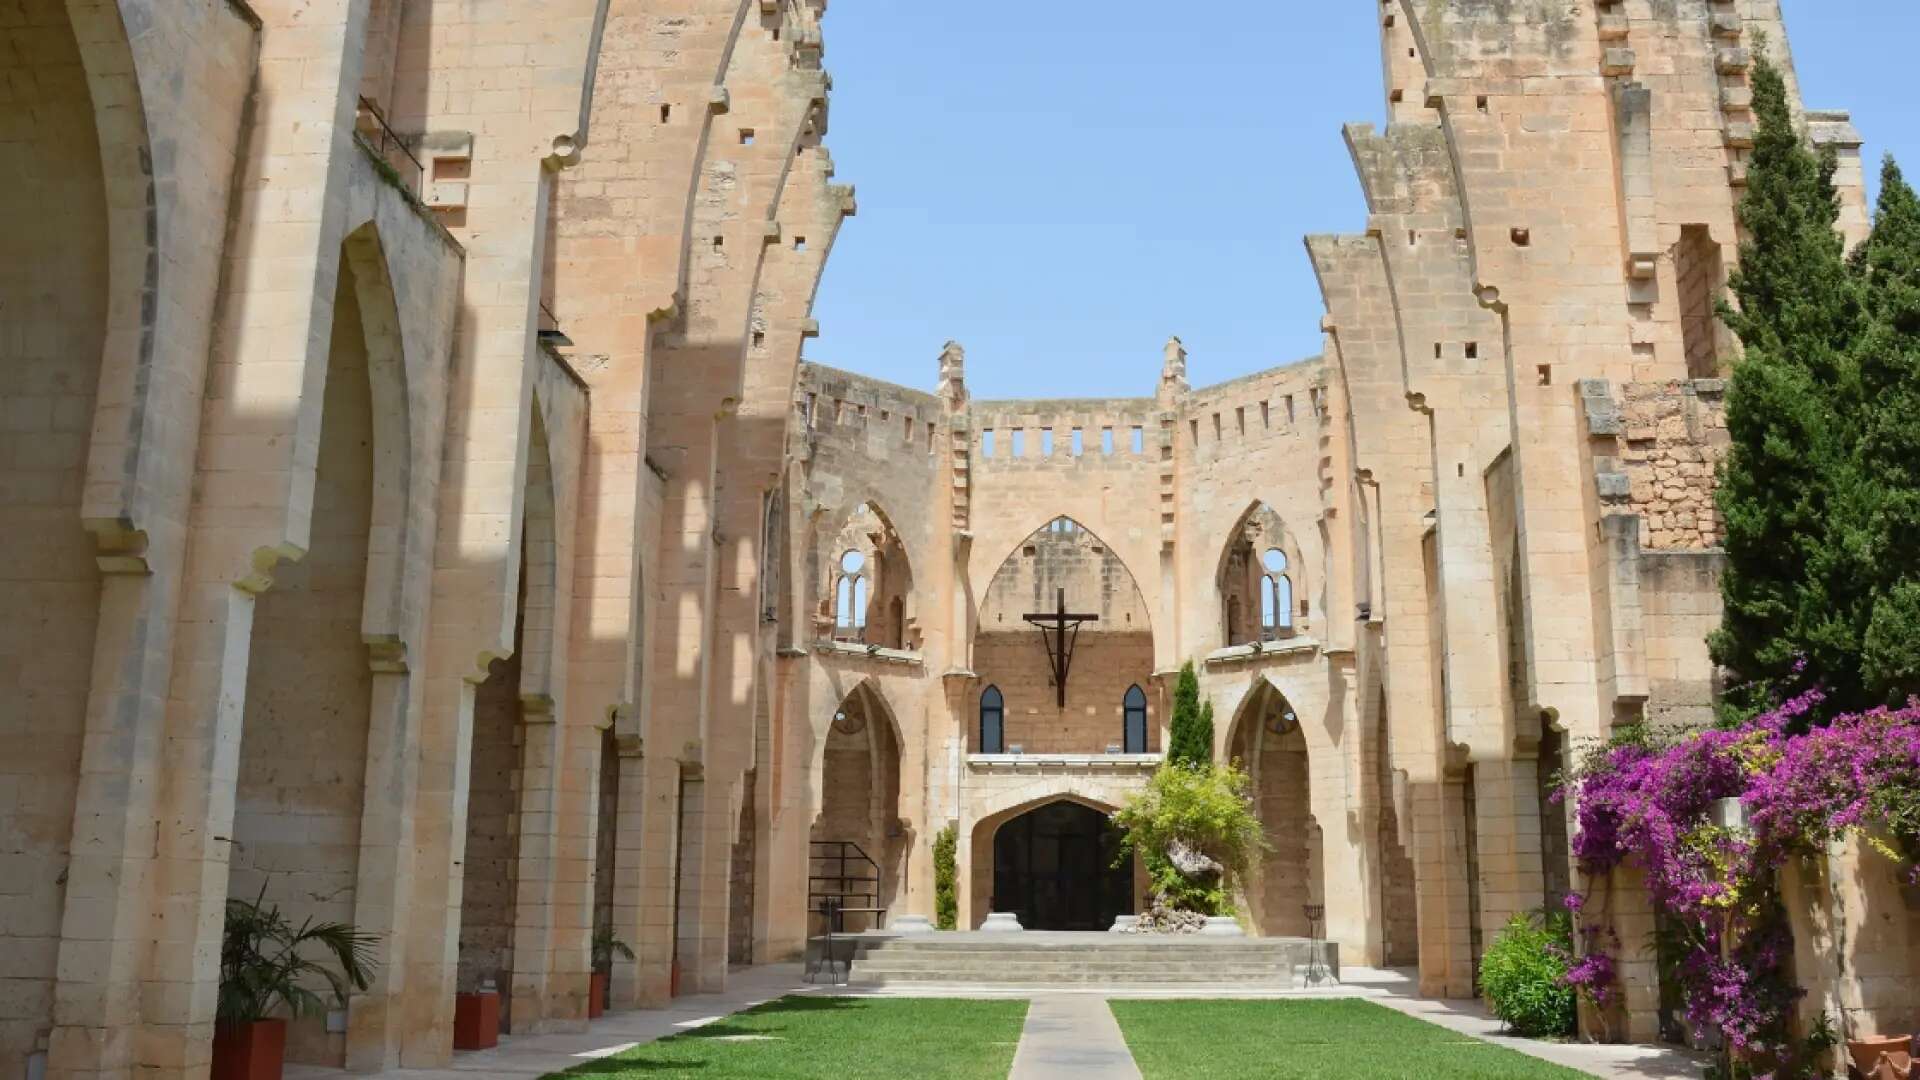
{"x":1651,"y":803}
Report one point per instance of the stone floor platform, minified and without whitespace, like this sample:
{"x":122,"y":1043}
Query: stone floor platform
{"x":1056,"y":959}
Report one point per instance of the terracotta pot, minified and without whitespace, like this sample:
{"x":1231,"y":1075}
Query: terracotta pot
{"x":597,"y":994}
{"x":476,"y":1021}
{"x":249,"y":1051}
{"x":1866,"y":1053}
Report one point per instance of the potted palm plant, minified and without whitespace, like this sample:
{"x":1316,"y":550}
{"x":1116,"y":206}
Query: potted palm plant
{"x":267,"y":966}
{"x":605,"y":948}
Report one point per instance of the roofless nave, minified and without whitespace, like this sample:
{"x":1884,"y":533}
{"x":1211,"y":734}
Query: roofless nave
{"x":416,"y":507}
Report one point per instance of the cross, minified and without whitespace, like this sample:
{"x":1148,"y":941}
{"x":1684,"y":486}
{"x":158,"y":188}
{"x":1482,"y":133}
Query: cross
{"x":1059,"y":630}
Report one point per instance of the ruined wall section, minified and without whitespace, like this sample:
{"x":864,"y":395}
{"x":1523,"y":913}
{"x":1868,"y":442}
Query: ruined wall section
{"x":1529,"y":121}
{"x":615,"y":267}
{"x":862,"y":441}
{"x":1025,"y":472}
{"x":1255,"y":439}
{"x":1656,"y":449}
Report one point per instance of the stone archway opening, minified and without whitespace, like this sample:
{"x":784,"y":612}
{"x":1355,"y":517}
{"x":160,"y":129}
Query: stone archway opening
{"x":869,"y":583}
{"x":1058,"y":867}
{"x":1269,"y":743}
{"x":300,"y":791}
{"x":1262,"y":580}
{"x":858,"y":844}
{"x":55,"y":311}
{"x":516,"y":686}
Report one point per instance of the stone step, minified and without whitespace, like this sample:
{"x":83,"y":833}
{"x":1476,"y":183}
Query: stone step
{"x":1273,"y":948}
{"x":1044,"y":978}
{"x":1107,"y":962}
{"x":1081,"y":960}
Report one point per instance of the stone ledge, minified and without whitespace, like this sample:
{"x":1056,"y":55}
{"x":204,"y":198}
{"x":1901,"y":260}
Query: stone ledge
{"x":868,"y":652}
{"x":1144,"y":763}
{"x":1241,"y":654}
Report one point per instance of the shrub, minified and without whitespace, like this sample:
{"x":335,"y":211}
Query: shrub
{"x":1188,"y":811}
{"x":1524,"y":975}
{"x":946,"y":898}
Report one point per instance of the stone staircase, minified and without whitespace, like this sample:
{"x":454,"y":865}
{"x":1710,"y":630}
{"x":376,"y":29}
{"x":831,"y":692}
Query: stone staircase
{"x":1067,"y":960}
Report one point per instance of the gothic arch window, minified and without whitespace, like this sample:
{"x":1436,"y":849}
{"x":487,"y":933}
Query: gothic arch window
{"x":993,"y":722}
{"x":1276,"y":595}
{"x":1136,"y":721}
{"x":850,"y":598}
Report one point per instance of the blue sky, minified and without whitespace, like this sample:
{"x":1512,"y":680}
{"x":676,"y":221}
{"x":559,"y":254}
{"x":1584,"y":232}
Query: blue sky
{"x":1060,"y":186}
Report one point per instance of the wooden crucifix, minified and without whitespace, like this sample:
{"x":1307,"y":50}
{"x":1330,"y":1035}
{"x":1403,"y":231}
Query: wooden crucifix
{"x":1059,"y":630}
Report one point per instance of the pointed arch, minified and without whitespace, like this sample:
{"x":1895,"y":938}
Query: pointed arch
{"x":857,"y":768}
{"x":866,"y":580}
{"x":1127,"y":606}
{"x":1260,"y":578}
{"x":538,"y":554}
{"x":1268,"y":740}
{"x":364,"y":263}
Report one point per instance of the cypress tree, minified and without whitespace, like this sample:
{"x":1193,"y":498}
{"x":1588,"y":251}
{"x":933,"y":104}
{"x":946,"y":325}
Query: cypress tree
{"x":1790,"y":497}
{"x":1191,"y":740}
{"x":1889,"y":453}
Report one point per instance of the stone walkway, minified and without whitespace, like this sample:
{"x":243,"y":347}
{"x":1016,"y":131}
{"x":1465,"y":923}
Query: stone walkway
{"x":529,"y":1057}
{"x":1070,"y":1032}
{"x":1072,"y":1037}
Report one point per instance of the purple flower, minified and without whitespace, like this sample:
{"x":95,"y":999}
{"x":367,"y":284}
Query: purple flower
{"x":1651,"y":807}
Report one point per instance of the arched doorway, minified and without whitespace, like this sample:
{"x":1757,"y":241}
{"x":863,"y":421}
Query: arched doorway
{"x":858,"y":843}
{"x":1268,"y":742}
{"x":1055,"y":867}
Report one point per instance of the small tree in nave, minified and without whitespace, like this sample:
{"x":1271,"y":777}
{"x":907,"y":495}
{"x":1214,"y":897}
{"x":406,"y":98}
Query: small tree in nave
{"x":1191,"y":741}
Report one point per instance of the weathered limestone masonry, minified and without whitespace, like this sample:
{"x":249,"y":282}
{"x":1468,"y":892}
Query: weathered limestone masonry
{"x":1490,"y":502}
{"x":374,"y":540}
{"x":408,"y":469}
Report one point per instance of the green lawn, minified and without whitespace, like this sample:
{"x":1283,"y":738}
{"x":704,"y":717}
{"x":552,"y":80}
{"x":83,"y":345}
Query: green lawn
{"x":1322,"y":1040}
{"x":826,"y":1038}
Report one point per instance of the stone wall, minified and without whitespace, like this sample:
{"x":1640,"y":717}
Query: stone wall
{"x":1674,"y":438}
{"x":53,"y":300}
{"x":1289,"y":876}
{"x":487,"y":899}
{"x":1104,"y":666}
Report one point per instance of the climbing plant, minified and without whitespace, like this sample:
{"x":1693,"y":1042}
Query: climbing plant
{"x":1652,"y":803}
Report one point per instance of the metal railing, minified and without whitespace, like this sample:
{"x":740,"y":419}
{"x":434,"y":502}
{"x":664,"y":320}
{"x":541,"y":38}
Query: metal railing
{"x":390,"y":146}
{"x":839,"y":873}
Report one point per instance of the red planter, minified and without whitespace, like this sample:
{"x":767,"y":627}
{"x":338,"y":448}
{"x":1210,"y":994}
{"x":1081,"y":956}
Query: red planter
{"x":476,"y":1021}
{"x":1868,"y":1053}
{"x":249,"y":1051}
{"x":597,"y":994}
